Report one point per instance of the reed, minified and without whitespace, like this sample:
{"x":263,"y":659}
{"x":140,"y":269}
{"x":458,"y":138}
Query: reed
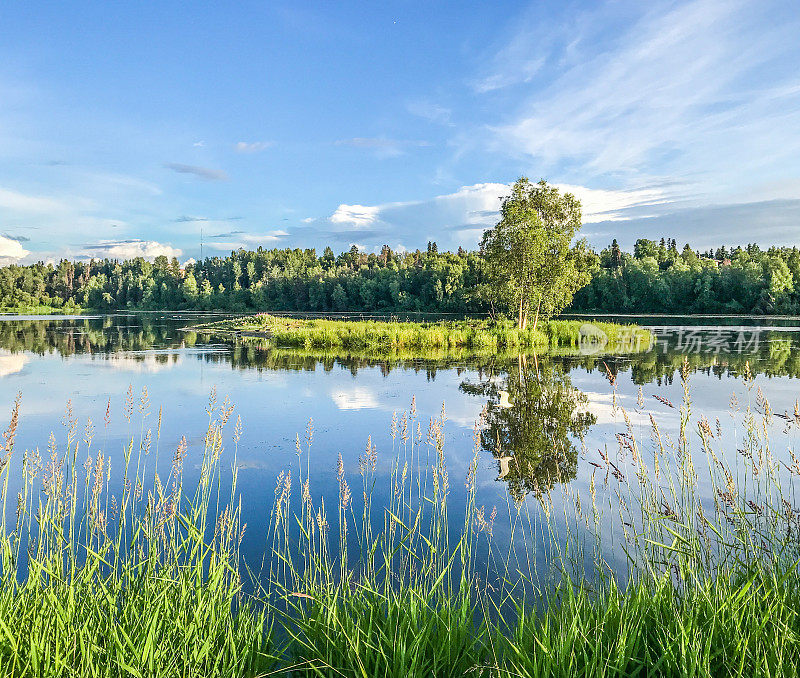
{"x":152,"y":583}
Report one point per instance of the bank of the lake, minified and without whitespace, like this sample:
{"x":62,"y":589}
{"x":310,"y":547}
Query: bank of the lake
{"x":475,"y":334}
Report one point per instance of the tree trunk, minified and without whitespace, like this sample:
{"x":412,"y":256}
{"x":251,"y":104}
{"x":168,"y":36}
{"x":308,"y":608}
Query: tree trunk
{"x":536,"y":317}
{"x":519,"y":317}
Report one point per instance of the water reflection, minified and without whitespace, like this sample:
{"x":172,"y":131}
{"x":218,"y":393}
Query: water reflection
{"x":531,"y":424}
{"x":769,"y":351}
{"x":531,"y":445}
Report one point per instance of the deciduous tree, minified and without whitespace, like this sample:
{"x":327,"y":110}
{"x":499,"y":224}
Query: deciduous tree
{"x":532,"y":264}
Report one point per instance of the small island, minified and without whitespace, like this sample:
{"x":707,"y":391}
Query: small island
{"x":469,"y":334}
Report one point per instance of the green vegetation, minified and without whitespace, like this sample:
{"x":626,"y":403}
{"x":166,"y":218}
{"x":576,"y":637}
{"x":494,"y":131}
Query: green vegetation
{"x":42,"y":310}
{"x":529,"y":259}
{"x":656,"y":278}
{"x":120,"y":586}
{"x":771,"y":355}
{"x":150,"y":581}
{"x":425,"y":336}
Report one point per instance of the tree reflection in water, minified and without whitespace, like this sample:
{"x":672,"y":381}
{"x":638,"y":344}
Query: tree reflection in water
{"x":533,"y":439}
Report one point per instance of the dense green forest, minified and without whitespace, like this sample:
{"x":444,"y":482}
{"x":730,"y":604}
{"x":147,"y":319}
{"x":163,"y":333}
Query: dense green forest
{"x":656,"y":277}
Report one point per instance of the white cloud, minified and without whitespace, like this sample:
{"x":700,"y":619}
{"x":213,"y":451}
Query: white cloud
{"x":524,"y":72}
{"x":604,"y":408}
{"x":249,"y":240}
{"x":356,"y":398}
{"x":73,"y":212}
{"x":355,"y":215}
{"x":460,"y":218}
{"x":11,"y":250}
{"x":129,"y":249}
{"x":19,"y":202}
{"x":606,"y":205}
{"x":690,"y":89}
{"x":140,"y":364}
{"x":252,"y":146}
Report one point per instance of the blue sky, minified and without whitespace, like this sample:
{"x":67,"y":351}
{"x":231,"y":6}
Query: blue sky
{"x":126,"y":128}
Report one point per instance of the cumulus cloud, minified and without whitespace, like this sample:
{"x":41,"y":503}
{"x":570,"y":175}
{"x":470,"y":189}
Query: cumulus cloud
{"x":202,"y":172}
{"x":355,"y":215}
{"x":460,"y":218}
{"x":606,"y":205}
{"x":252,"y":146}
{"x":11,"y":250}
{"x":129,"y":249}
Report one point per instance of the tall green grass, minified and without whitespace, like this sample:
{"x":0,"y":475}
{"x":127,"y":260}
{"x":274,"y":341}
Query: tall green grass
{"x":474,"y":335}
{"x":152,"y":583}
{"x":143,"y":584}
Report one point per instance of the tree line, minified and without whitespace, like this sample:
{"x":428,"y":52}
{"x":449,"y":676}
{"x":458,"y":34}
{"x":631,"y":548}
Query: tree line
{"x":656,"y":277}
{"x":529,"y":265}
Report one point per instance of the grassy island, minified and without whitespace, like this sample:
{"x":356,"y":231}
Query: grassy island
{"x":477,"y":335}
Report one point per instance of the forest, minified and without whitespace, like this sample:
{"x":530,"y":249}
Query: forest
{"x":657,"y":277}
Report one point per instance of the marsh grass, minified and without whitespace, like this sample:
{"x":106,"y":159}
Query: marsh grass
{"x":472,"y":335}
{"x":152,"y":583}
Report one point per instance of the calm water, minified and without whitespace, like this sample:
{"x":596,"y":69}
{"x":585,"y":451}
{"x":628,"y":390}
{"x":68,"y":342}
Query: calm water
{"x":90,"y":361}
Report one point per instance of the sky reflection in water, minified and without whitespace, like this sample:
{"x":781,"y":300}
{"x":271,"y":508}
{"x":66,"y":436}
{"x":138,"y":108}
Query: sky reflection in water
{"x":533,"y":446}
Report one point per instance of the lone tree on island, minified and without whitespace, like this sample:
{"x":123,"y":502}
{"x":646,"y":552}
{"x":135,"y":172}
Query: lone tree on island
{"x":530,"y":259}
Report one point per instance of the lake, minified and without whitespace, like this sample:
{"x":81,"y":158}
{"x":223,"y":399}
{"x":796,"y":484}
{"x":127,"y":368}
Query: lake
{"x":565,"y":417}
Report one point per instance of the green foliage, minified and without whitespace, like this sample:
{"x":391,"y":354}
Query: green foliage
{"x":659,"y":279}
{"x":150,"y":585}
{"x":477,"y":335}
{"x":534,"y":439}
{"x":392,"y":633}
{"x":748,"y":625}
{"x":128,"y":586}
{"x":530,"y":259}
{"x":653,"y":280}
